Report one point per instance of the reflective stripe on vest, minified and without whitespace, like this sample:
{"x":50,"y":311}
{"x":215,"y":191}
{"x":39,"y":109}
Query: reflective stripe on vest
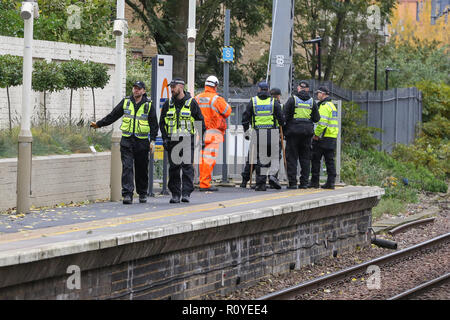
{"x":329,"y":119}
{"x":135,"y":123}
{"x":263,"y":113}
{"x":303,"y":109}
{"x":182,"y":122}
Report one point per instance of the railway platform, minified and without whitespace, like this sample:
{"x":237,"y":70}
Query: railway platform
{"x":218,"y":242}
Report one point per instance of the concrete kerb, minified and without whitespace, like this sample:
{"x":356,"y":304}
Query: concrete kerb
{"x":12,"y":257}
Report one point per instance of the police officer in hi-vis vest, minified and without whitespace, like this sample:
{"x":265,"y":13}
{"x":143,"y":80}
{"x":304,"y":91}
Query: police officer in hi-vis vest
{"x":300,"y":111}
{"x":139,"y":131}
{"x":324,"y":140}
{"x":177,"y":123}
{"x":263,"y":113}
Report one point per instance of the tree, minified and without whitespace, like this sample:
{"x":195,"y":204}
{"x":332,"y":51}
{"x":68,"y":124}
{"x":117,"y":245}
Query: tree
{"x":83,"y":22}
{"x":342,"y":24}
{"x":47,"y":77}
{"x":76,"y":75}
{"x":98,"y":79}
{"x":11,"y":68}
{"x":166,"y":22}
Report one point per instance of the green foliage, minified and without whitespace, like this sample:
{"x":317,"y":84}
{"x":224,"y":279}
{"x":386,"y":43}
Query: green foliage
{"x":10,"y":76}
{"x":47,"y":77}
{"x":76,"y":74}
{"x":256,"y":70}
{"x":343,"y":26}
{"x":371,"y":167}
{"x":138,"y":70}
{"x":99,"y":75}
{"x":435,"y":99}
{"x":58,"y":21}
{"x":416,"y":61}
{"x":165,"y":21}
{"x":353,"y":132}
{"x":432,"y":148}
{"x":57,"y":138}
{"x":388,"y":206}
{"x":10,"y":71}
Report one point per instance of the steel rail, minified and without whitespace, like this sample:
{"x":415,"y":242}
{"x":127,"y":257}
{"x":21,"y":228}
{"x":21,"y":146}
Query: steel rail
{"x":291,"y":292}
{"x":424,"y":286}
{"x":410,"y":224}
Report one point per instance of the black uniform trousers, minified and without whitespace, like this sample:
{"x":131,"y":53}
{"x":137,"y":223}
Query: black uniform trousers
{"x":180,"y":185}
{"x":298,"y":149}
{"x":134,"y":153}
{"x":246,"y":172}
{"x":264,"y":159}
{"x":320,"y":150}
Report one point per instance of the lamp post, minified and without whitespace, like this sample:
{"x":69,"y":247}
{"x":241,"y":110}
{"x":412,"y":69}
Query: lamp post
{"x":319,"y":45}
{"x":387,"y":70}
{"x":120,"y":29}
{"x":191,"y":36}
{"x":28,"y":12}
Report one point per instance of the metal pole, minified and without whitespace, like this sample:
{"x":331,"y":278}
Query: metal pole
{"x":25,"y":139}
{"x":226,"y":80}
{"x":191,"y":35}
{"x":116,"y":168}
{"x":387,"y":79}
{"x":319,"y":60}
{"x":376,"y":64}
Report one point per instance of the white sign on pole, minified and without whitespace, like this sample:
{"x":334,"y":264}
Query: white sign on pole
{"x":163,"y":78}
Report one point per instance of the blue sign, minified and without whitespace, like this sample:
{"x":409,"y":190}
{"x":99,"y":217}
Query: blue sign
{"x":228,"y":54}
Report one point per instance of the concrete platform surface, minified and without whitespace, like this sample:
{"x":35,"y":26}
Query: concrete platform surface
{"x":62,"y":231}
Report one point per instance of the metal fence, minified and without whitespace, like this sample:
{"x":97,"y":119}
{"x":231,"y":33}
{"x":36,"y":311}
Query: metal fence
{"x":397,"y":112}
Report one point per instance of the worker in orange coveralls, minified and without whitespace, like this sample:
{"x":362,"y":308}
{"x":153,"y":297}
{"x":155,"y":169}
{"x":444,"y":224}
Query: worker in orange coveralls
{"x":215,"y":111}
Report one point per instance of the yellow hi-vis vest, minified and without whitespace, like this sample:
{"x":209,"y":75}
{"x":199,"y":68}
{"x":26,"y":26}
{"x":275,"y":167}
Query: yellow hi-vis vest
{"x":328,"y":125}
{"x":181,"y":123}
{"x":135,"y":122}
{"x":303,"y":109}
{"x":263,"y":113}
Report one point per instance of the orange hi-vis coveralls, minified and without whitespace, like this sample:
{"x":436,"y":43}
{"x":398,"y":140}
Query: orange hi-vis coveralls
{"x":215,"y":111}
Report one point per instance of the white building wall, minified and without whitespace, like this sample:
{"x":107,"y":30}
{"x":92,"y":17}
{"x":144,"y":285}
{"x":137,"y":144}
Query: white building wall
{"x":58,"y":103}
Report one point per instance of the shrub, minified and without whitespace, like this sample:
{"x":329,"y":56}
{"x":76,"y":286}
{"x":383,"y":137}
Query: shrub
{"x":353,"y":132}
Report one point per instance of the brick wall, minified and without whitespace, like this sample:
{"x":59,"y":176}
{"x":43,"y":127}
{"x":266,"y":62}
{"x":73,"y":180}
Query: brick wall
{"x":195,"y":264}
{"x":56,"y":179}
{"x":58,"y":103}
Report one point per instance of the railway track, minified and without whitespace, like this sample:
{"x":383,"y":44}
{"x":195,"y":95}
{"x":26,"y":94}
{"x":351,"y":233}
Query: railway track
{"x":308,"y":286}
{"x":421,"y":288}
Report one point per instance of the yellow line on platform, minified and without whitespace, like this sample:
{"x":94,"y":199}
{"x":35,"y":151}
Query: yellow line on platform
{"x":114,"y":222}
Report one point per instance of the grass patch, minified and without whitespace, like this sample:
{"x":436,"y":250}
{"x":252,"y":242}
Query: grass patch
{"x":388,"y":206}
{"x":402,"y":181}
{"x":56,"y":139}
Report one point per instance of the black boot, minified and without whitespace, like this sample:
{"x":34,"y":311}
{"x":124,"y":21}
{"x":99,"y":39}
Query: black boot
{"x":175,"y":199}
{"x":127,"y":199}
{"x":292,"y":186}
{"x":243,"y":184}
{"x":274,"y":183}
{"x":261,"y":187}
{"x":314,"y":184}
{"x":328,"y":185}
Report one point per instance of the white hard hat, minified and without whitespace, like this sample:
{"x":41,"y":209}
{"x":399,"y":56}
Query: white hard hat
{"x":212,"y":81}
